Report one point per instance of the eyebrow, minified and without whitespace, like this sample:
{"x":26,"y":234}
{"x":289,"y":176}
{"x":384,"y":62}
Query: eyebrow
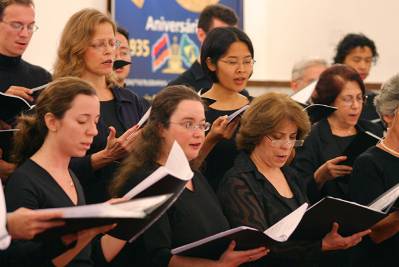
{"x":191,"y":118}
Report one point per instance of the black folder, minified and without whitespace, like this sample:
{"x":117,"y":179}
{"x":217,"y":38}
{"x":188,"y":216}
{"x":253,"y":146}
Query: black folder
{"x":350,"y":216}
{"x":11,"y":106}
{"x":362,"y":141}
{"x":318,"y":112}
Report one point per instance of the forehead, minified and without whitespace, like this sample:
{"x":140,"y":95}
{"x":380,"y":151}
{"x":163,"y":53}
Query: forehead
{"x":361,"y":51}
{"x":20,"y":13}
{"x":103,"y":31}
{"x":189,"y":109}
{"x":286,"y":126}
{"x":238,"y":48}
{"x":216,"y":23}
{"x":85,"y":104}
{"x":351,"y":88}
{"x":314,"y":71}
{"x":120,"y":37}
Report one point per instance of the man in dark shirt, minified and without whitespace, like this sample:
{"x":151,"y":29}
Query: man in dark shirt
{"x":17,"y":24}
{"x":212,"y":16}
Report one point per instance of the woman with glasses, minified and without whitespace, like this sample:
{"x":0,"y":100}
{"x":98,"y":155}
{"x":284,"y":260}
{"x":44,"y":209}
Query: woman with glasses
{"x":260,"y":189}
{"x":87,"y":50}
{"x":227,"y":57}
{"x":177,"y":114}
{"x":321,"y":157}
{"x":374,"y":172}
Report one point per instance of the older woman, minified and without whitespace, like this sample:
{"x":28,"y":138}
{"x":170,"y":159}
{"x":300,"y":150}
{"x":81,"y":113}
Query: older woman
{"x":321,"y":157}
{"x":260,"y":190}
{"x":87,"y":50}
{"x":374,"y":172}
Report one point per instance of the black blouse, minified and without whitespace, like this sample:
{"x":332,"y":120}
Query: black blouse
{"x":321,"y":145}
{"x":248,"y":198}
{"x":195,"y":215}
{"x":222,"y":156}
{"x":32,"y":187}
{"x":374,"y":172}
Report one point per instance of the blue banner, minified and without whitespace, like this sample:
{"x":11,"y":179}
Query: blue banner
{"x":163,"y":39}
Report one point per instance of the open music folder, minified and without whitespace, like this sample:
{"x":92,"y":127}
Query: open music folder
{"x":351,"y":216}
{"x":78,"y":218}
{"x":246,"y":237}
{"x":304,"y":223}
{"x":12,"y":106}
{"x":168,"y":179}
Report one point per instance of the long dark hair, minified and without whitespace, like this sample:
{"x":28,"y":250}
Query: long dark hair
{"x":55,"y":99}
{"x":149,"y":144}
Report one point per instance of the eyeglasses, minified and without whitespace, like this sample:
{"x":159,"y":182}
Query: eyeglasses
{"x":234,"y":63}
{"x":101,"y":45}
{"x":348,"y":101}
{"x":189,"y":125}
{"x":280,"y":143}
{"x":18,"y":26}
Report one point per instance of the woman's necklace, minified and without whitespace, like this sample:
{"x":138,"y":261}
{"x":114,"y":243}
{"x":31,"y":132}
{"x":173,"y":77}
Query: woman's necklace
{"x":391,"y":150}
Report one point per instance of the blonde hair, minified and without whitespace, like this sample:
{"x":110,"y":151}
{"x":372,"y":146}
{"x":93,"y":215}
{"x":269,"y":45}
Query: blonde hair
{"x":75,"y":39}
{"x":263,"y":117}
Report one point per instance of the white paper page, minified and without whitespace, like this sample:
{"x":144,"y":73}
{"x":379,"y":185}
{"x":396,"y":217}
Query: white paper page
{"x":236,"y":113}
{"x":283,"y":229}
{"x":154,"y":177}
{"x":144,"y":118}
{"x":129,"y":209}
{"x":39,"y":88}
{"x":5,"y":238}
{"x":210,"y":238}
{"x":386,"y":199}
{"x":177,"y":163}
{"x":303,"y":95}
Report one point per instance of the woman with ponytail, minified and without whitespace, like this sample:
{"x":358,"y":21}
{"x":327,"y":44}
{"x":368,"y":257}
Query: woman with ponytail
{"x":62,"y":125}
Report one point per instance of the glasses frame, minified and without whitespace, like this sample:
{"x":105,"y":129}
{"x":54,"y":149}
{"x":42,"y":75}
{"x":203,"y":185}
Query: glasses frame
{"x":280,"y":143}
{"x":349,"y":103}
{"x":191,"y":126}
{"x":19,"y":26}
{"x":238,"y":63}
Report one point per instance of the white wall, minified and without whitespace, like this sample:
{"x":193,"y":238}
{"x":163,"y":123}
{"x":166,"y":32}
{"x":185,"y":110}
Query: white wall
{"x":285,"y":31}
{"x":51,"y":16}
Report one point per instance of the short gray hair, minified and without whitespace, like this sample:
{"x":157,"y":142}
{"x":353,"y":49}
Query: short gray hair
{"x":387,"y":101}
{"x":300,"y":67}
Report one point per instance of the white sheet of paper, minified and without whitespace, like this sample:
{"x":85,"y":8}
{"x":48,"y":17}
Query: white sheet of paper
{"x":236,"y":113}
{"x":303,"y":95}
{"x":176,"y":165}
{"x":144,"y":118}
{"x":282,"y":230}
{"x":386,"y":199}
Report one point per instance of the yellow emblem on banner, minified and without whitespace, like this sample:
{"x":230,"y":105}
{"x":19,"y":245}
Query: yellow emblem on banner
{"x":196,"y":5}
{"x":175,"y":63}
{"x":138,"y":3}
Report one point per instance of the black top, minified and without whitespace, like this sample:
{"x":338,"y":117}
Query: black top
{"x":374,"y":172}
{"x":248,"y":198}
{"x":222,"y":156}
{"x":321,"y":145}
{"x":195,"y":215}
{"x":129,"y":110}
{"x":194,"y":77}
{"x":108,"y":113}
{"x":369,"y":112}
{"x":18,"y":72}
{"x":32,"y":187}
